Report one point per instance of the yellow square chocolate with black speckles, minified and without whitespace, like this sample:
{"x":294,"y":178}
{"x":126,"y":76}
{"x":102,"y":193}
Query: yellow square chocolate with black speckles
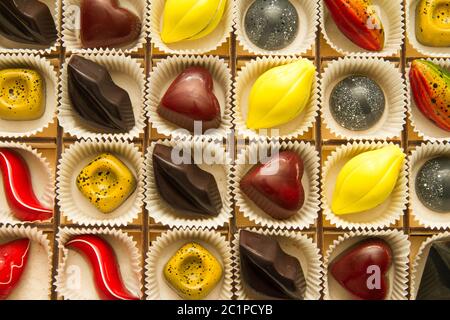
{"x":107,"y":182}
{"x":193,"y":271}
{"x":21,"y":95}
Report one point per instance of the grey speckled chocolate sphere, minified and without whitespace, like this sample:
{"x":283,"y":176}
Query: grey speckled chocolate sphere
{"x":433,"y":184}
{"x":357,"y":103}
{"x":271,"y":24}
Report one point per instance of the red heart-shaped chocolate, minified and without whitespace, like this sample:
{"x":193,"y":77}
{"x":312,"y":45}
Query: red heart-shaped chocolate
{"x":276,"y":186}
{"x":105,"y":24}
{"x":190,"y":98}
{"x":13,"y":260}
{"x":362,"y":269}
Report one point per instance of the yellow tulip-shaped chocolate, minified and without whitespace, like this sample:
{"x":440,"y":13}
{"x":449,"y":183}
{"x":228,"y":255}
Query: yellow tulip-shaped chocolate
{"x":367,"y":180}
{"x":190,"y":19}
{"x":280,"y":94}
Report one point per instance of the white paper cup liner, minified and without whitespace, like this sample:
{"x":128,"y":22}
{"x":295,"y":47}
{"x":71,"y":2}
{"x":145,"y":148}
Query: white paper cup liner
{"x":162,"y":212}
{"x":381,"y":216}
{"x":35,"y":282}
{"x":443,"y":52}
{"x":246,"y":77}
{"x":16,"y":129}
{"x":75,"y":206}
{"x":424,"y":127}
{"x":308,"y":17}
{"x":41,"y":177}
{"x":165,"y":73}
{"x":8,"y":46}
{"x":165,"y":246}
{"x":310,"y":181}
{"x":387,"y":76}
{"x":128,"y":74}
{"x":426,"y":217}
{"x":391,"y":15}
{"x":199,"y":46}
{"x":75,"y":277}
{"x":298,"y":245}
{"x":71,"y":27}
{"x":420,"y":260}
{"x":398,"y":273}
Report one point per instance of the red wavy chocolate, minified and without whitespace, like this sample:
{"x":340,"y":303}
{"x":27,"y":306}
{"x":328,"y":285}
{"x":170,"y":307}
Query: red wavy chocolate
{"x":358,"y":22}
{"x":102,"y":258}
{"x":430,"y":86}
{"x":18,"y":188}
{"x":14,"y":258}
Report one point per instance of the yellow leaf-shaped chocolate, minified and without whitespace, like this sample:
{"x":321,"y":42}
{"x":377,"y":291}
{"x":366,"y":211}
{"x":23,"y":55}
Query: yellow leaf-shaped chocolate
{"x":280,"y":94}
{"x":367,"y":180}
{"x":190,"y":19}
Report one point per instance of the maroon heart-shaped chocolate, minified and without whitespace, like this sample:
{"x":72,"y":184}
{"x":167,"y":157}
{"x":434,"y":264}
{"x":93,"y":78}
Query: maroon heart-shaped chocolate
{"x":276,"y":186}
{"x":105,"y":24}
{"x":190,"y":98}
{"x":13,"y":260}
{"x":362,"y":269}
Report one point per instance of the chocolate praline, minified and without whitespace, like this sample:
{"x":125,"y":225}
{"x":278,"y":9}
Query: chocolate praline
{"x":267,"y":271}
{"x":271,"y":24}
{"x":357,"y":103}
{"x":27,"y":21}
{"x":184,"y":186}
{"x":103,"y":106}
{"x":433,"y":184}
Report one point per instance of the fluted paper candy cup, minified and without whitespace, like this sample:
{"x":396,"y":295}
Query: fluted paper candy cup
{"x":246,"y":79}
{"x":8,"y":46}
{"x":167,"y":244}
{"x":75,"y":277}
{"x":35,"y":282}
{"x":75,"y":206}
{"x":387,"y":76}
{"x":41,"y":179}
{"x":71,"y":27}
{"x":167,"y":70}
{"x":390,"y":13}
{"x":17,"y":129}
{"x":421,"y":125}
{"x":307,"y":214}
{"x":308,"y":17}
{"x":162,"y":212}
{"x":128,"y":74}
{"x":295,"y":244}
{"x":397,"y":274}
{"x":429,"y":51}
{"x":425,"y":216}
{"x":420,"y":260}
{"x":204,"y":44}
{"x":380,"y":216}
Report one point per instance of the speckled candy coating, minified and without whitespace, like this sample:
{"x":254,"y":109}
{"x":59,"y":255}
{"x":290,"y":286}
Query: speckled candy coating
{"x":433,"y":184}
{"x":271,"y":24}
{"x":357,"y":103}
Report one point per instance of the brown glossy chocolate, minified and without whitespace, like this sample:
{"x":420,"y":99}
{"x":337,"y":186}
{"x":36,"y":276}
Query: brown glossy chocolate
{"x":190,"y":98}
{"x":435,"y":281}
{"x":267,"y":271}
{"x":27,"y":21}
{"x":276,"y":186}
{"x":105,"y":24}
{"x":185,"y":187}
{"x":103,"y":105}
{"x":353,"y":268}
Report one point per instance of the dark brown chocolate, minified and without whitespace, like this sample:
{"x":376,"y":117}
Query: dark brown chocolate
{"x":187,"y":188}
{"x":102,"y":104}
{"x":267,"y":271}
{"x":27,"y":21}
{"x":435,"y":282}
